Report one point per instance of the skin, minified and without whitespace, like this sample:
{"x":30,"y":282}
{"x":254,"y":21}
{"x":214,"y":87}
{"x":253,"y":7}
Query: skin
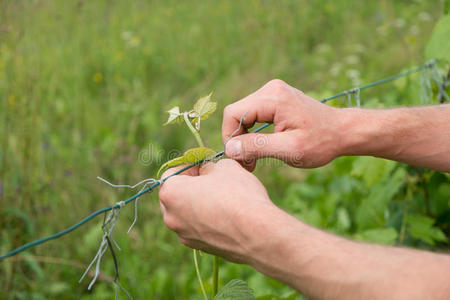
{"x":243,"y":225}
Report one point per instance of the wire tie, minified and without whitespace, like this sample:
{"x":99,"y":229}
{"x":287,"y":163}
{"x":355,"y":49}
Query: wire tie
{"x":236,"y":131}
{"x":349,"y":98}
{"x":439,"y":82}
{"x":356,"y":92}
{"x":426,"y":91}
{"x":149,"y":181}
{"x":146,"y":182}
{"x":125,"y":185}
{"x":431,"y":63}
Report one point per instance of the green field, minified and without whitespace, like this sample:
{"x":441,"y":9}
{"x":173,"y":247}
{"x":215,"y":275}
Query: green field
{"x":84,"y":86}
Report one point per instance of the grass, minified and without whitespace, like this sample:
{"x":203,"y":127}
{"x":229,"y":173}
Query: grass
{"x":83,"y":90}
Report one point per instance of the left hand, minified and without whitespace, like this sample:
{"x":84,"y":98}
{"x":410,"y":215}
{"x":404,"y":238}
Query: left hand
{"x":218,"y":208}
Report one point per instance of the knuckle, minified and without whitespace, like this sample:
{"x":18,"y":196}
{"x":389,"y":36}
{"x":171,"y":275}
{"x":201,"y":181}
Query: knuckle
{"x":164,"y":194}
{"x":277,"y":84}
{"x":169,"y":188}
{"x":281,"y":91}
{"x":167,"y":192}
{"x":227,"y":110}
{"x":171,"y":223}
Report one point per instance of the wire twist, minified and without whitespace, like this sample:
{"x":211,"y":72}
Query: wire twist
{"x":236,"y":131}
{"x":146,"y":182}
{"x":109,"y":223}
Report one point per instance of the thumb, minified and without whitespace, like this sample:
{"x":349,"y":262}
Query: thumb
{"x":252,"y":146}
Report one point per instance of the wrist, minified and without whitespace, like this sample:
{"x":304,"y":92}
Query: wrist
{"x":350,"y":138}
{"x":276,"y":244}
{"x":417,"y":136}
{"x":369,"y":132}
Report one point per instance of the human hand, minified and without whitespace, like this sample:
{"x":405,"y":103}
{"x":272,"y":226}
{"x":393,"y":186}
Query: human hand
{"x":306,"y":133}
{"x":218,"y":208}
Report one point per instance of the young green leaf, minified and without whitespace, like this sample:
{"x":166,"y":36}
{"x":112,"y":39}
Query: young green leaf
{"x":191,"y":156}
{"x":204,"y":107}
{"x":197,"y":154}
{"x":174,"y":115}
{"x":439,"y":44}
{"x":235,"y":290}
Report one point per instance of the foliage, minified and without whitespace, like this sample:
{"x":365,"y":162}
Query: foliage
{"x":174,"y":116}
{"x":203,"y":108}
{"x":421,"y":227}
{"x":82,"y":88}
{"x":439,"y":44}
{"x":235,"y":290}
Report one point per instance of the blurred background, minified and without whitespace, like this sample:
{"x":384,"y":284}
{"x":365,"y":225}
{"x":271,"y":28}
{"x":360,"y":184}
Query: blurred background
{"x":84,"y":90}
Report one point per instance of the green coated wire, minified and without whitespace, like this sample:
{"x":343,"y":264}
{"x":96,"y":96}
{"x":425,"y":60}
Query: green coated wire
{"x":429,"y":64}
{"x":218,"y":155}
{"x":91,"y":216}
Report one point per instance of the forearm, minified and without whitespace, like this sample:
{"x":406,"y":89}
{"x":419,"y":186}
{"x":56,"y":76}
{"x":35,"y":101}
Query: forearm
{"x":417,"y":136}
{"x":324,"y":266}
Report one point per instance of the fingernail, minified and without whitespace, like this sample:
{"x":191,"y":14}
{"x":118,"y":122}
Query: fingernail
{"x":234,"y":148}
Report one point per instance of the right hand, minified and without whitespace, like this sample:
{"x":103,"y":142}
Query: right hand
{"x":305,"y":131}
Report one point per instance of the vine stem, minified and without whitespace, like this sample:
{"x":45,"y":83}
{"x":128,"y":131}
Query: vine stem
{"x":199,"y":277}
{"x":401,"y":238}
{"x":215,"y":276}
{"x":193,"y":130}
{"x":216,"y":259}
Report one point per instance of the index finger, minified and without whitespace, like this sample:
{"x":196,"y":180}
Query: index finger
{"x":257,"y":107}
